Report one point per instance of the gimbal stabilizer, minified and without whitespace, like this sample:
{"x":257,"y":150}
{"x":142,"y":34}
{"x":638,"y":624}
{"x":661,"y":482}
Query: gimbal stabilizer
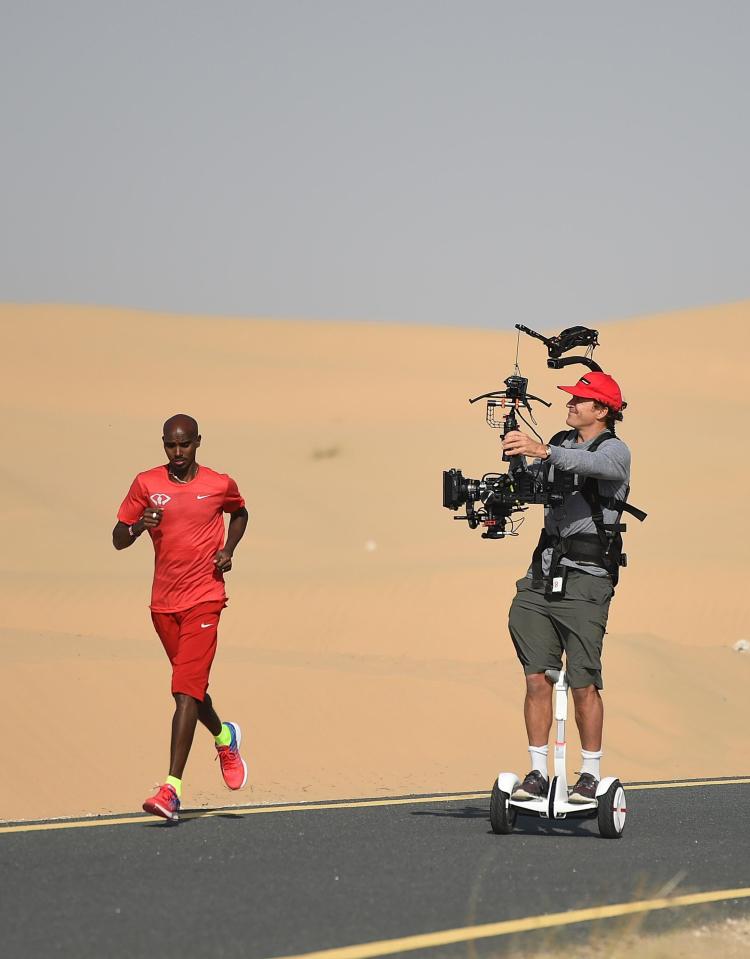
{"x":503,"y":494}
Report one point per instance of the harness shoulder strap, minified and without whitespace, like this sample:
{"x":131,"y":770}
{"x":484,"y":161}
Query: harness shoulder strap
{"x":622,"y":507}
{"x":618,"y":505}
{"x":602,"y":438}
{"x":559,"y":438}
{"x":547,"y":541}
{"x":608,"y":536}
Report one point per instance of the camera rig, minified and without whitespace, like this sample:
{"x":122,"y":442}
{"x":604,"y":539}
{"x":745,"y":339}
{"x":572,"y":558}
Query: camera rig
{"x":503,"y":494}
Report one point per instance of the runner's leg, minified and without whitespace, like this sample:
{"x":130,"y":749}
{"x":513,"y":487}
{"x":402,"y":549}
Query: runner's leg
{"x":209,"y":717}
{"x":190,"y":670}
{"x":183,"y":729}
{"x":166,"y":801}
{"x":167,"y":626}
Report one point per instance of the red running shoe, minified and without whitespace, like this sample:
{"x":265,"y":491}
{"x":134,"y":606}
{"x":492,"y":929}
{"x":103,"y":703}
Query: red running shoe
{"x":165,"y":803}
{"x":233,"y":766}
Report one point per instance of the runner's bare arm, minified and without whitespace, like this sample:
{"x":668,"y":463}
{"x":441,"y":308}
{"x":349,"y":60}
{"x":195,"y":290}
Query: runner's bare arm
{"x":124,"y":535}
{"x":235,"y":532}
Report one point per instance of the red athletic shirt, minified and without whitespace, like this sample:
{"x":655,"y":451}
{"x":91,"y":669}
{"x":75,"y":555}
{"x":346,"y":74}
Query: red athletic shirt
{"x":190,"y":533}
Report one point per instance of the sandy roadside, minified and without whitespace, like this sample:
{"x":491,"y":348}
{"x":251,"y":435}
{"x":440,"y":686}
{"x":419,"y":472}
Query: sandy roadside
{"x":729,"y":939}
{"x":364,"y":650}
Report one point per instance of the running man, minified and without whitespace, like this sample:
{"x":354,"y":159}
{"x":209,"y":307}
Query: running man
{"x":180,"y":505}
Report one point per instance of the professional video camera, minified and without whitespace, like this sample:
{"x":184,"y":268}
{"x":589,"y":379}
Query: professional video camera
{"x":503,"y":494}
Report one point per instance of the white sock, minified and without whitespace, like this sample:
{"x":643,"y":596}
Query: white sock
{"x":539,"y":759}
{"x":591,"y":762}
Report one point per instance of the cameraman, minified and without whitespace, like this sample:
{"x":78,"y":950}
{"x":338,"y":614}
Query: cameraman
{"x":563,"y":601}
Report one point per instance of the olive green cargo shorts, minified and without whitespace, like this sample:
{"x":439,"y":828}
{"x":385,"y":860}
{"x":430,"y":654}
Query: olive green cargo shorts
{"x":542,"y":629}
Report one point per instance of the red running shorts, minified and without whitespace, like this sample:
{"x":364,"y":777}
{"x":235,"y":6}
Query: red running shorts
{"x":189,"y":639}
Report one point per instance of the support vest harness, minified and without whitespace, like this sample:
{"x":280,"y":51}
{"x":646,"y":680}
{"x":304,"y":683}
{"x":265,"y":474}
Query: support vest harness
{"x":603,"y":548}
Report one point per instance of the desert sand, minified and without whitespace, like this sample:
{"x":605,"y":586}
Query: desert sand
{"x":365,"y":649}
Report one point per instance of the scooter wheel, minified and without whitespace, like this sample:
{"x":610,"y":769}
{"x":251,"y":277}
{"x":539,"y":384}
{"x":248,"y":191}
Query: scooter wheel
{"x":502,"y":814}
{"x":611,"y":812}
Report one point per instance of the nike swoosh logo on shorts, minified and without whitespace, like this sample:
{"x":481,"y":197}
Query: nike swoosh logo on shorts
{"x":206,"y":625}
{"x":205,"y":496}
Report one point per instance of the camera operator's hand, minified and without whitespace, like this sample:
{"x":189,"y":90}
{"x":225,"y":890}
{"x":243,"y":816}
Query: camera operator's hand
{"x":519,"y":444}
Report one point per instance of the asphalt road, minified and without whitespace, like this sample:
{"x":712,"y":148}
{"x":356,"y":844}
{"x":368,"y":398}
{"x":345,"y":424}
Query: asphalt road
{"x":296,"y":881}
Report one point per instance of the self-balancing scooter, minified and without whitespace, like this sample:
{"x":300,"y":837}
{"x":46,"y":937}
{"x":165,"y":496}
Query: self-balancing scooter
{"x":608,"y":806}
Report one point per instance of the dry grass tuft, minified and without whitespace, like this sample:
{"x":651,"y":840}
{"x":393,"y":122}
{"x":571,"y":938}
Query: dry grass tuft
{"x":729,"y":939}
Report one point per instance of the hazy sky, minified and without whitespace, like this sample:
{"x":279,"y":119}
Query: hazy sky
{"x":474,"y":163}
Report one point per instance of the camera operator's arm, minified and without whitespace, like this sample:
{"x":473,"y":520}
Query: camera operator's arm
{"x":610,"y":462}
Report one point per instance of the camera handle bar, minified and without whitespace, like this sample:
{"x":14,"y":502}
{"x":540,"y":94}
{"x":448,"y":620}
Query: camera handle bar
{"x":567,"y":340}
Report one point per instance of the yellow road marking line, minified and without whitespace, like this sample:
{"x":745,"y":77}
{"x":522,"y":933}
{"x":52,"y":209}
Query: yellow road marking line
{"x":246,"y":811}
{"x":311,"y":807}
{"x":430,"y":940}
{"x":691,"y":782}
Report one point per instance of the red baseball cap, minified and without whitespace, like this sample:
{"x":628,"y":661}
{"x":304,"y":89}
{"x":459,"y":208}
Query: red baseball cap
{"x":597,"y":386}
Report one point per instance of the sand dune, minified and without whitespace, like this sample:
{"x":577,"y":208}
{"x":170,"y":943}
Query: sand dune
{"x":365,"y":648}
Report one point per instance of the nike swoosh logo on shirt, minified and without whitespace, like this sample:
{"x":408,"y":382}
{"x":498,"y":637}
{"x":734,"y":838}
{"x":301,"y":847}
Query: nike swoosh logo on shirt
{"x":205,"y":496}
{"x":206,"y":625}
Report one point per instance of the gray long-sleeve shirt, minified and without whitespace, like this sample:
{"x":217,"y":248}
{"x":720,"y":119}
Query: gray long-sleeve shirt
{"x":610,"y":464}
